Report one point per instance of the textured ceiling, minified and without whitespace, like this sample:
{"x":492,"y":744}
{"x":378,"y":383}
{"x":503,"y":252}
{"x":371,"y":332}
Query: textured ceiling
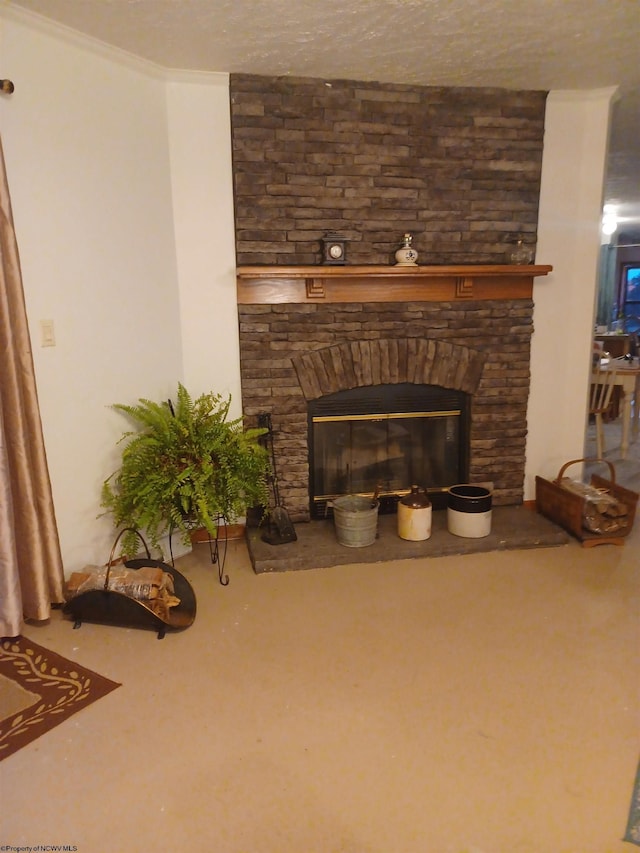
{"x":528,"y":44}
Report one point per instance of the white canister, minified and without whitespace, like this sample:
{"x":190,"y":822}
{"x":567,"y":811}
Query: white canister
{"x":414,"y":515}
{"x":469,"y":511}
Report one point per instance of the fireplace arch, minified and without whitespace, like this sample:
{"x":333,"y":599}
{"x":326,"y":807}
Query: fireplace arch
{"x":356,"y":364}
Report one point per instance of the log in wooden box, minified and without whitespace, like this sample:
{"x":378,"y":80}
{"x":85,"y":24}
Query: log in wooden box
{"x":567,"y":508}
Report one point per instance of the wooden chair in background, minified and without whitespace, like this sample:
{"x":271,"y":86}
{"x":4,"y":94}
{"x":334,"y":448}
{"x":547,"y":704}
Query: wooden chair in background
{"x":602,"y":385}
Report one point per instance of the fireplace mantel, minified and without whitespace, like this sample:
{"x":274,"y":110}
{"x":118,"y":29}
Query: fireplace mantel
{"x":269,"y":285}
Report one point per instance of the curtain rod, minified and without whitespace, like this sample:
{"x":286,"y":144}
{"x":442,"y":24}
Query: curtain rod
{"x":6,"y":86}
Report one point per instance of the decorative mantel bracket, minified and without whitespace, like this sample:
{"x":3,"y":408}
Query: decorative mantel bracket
{"x":464,"y":287}
{"x":270,"y":285}
{"x":315,"y":288}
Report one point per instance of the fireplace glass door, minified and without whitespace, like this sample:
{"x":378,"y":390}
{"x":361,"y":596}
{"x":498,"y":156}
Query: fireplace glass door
{"x":386,"y":438}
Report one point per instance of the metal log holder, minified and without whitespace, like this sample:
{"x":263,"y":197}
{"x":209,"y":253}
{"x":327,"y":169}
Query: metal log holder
{"x":111,"y":607}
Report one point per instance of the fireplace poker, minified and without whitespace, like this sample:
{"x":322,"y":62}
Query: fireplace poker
{"x":279,"y":528}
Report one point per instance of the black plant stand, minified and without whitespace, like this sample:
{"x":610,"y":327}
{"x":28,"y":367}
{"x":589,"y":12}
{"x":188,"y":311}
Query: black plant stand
{"x":217,"y":549}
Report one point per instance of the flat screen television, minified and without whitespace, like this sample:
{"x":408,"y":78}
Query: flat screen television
{"x":630,"y":293}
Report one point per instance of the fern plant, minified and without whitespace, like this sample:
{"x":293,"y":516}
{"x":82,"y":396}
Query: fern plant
{"x":185,"y":467}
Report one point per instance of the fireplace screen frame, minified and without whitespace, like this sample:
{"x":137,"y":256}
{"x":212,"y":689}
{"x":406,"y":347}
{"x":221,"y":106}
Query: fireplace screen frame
{"x":389,"y":402}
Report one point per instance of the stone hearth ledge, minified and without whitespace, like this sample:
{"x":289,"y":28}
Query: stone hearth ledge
{"x":512,"y":528}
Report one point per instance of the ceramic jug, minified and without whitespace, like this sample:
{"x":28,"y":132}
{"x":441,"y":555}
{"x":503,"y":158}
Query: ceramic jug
{"x":414,"y":515}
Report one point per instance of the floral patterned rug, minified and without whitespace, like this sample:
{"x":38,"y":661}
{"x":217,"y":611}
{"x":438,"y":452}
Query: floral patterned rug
{"x":633,"y":825}
{"x":40,"y":689}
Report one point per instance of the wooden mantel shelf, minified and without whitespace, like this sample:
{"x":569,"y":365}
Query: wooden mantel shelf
{"x":270,"y":285}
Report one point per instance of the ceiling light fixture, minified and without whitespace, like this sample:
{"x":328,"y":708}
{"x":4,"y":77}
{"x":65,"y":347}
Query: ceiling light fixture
{"x":609,"y":220}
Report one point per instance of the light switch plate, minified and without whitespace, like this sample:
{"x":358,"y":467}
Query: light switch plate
{"x":47,"y":333}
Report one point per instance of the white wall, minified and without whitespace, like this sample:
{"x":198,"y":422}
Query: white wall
{"x":573,"y":171}
{"x":123,"y":206}
{"x":87,"y":158}
{"x":201,"y":177}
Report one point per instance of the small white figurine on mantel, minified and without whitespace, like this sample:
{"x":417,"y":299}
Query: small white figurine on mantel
{"x":406,"y":256}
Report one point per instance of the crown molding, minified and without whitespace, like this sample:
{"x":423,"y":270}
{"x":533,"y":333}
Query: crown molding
{"x":610,"y":93}
{"x":196,"y":78}
{"x":80,"y":41}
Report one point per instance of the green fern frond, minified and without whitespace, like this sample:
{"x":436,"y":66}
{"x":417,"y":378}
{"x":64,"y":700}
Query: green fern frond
{"x":190,"y":465}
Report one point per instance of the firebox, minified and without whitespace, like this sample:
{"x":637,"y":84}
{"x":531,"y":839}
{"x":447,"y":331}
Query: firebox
{"x":386,"y":438}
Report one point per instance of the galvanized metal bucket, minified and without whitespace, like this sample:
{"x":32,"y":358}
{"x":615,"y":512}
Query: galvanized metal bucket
{"x":356,"y":520}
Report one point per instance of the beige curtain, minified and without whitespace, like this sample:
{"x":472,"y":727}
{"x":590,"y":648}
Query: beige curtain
{"x":31,"y":574}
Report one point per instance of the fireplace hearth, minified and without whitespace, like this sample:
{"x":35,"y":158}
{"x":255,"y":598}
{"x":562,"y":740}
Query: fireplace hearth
{"x":512,"y":528}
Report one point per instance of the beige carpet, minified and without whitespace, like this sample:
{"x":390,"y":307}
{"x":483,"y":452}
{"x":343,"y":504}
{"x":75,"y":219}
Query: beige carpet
{"x":485,"y":703}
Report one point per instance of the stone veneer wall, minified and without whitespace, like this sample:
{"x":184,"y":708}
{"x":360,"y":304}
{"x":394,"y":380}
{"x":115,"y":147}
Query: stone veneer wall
{"x":290,"y":353}
{"x":459,"y":168}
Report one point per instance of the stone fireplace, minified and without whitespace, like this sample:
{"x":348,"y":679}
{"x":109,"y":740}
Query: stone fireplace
{"x":310,"y":332}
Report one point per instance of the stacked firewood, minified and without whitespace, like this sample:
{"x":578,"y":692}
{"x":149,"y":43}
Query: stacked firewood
{"x":602,"y":512}
{"x":149,"y":585}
